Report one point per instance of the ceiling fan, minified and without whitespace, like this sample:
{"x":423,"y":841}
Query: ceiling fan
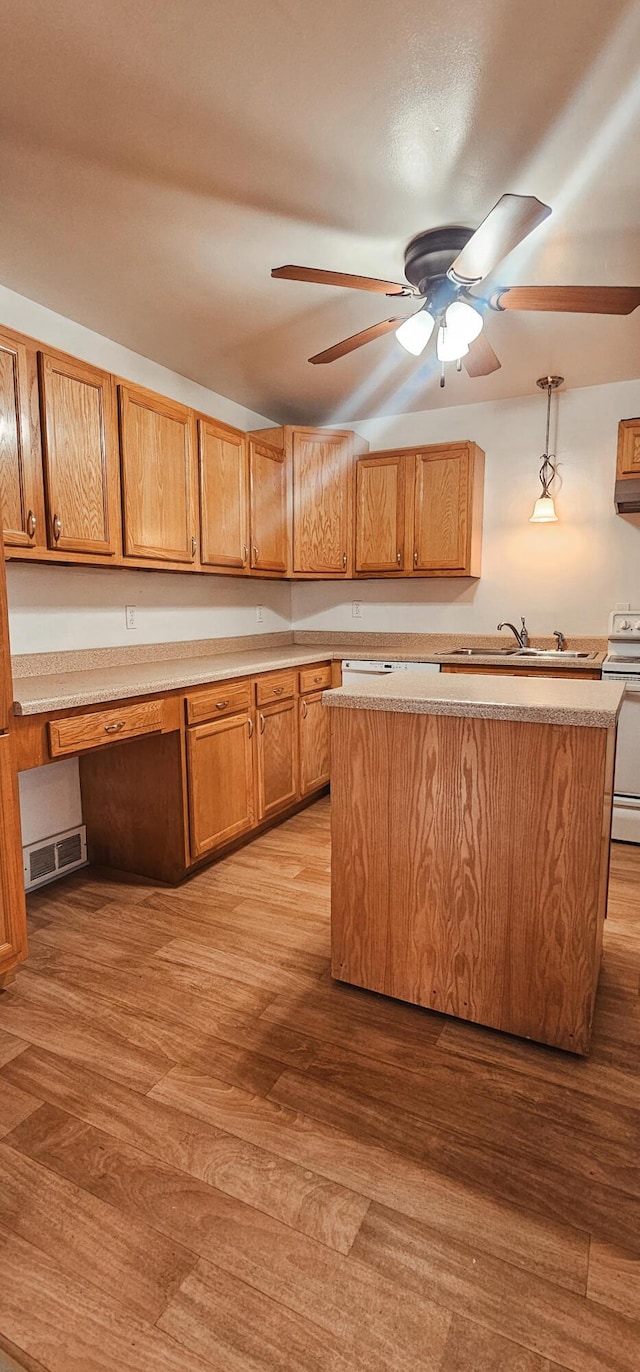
{"x":441,"y":266}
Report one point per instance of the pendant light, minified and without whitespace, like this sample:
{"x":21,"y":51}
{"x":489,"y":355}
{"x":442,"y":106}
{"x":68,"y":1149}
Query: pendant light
{"x":544,"y":510}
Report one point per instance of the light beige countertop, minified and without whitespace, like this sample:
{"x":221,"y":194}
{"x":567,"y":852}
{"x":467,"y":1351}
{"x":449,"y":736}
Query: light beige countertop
{"x":543,"y":700}
{"x":66,"y":680}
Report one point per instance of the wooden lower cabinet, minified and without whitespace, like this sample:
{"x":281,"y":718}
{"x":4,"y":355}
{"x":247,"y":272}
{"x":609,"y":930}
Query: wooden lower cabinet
{"x":277,"y":751}
{"x":13,"y":920}
{"x":220,"y":779}
{"x":314,"y":744}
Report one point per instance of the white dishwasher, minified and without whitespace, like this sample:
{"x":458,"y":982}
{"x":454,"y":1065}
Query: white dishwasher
{"x":354,"y":671}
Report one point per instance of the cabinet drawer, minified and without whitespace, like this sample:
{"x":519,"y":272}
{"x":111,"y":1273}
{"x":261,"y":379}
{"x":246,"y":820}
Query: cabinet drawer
{"x":277,"y":686}
{"x":79,"y":732}
{"x":316,"y":678}
{"x":214,"y":702}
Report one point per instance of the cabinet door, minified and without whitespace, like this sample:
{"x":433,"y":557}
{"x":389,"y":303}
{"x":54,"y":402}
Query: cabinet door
{"x":224,"y":504}
{"x":441,"y":510}
{"x":21,"y":485}
{"x":277,"y":757}
{"x":268,"y":493}
{"x":629,"y":447}
{"x":322,"y":484}
{"x":13,"y":920}
{"x":380,"y":514}
{"x":158,"y":469}
{"x":80,"y":456}
{"x":220,"y":771}
{"x":314,"y":743}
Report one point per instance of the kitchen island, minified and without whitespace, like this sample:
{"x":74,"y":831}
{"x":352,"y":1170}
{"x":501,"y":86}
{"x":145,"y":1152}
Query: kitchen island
{"x":471,"y":823}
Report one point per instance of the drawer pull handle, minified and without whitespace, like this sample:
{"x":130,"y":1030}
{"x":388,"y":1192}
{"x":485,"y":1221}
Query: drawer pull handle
{"x":250,"y":724}
{"x":57,"y":527}
{"x":398,"y":557}
{"x":317,"y":678}
{"x":277,"y":690}
{"x":245,"y":554}
{"x":221,"y":704}
{"x":304,"y":709}
{"x":31,"y":524}
{"x":114,"y":728}
{"x":193,"y":545}
{"x":344,"y":561}
{"x":256,"y":554}
{"x":262,"y":724}
{"x":415,"y":557}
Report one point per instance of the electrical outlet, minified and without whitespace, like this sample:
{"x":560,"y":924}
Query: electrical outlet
{"x":260,"y":614}
{"x":356,"y":609}
{"x":130,"y":616}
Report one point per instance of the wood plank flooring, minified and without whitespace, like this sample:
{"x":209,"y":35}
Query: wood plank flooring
{"x":215,"y":1159}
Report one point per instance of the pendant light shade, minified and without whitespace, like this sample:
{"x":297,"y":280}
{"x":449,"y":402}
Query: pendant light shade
{"x":544,"y":510}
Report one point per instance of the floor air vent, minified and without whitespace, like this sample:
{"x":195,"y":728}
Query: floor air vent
{"x":52,"y":858}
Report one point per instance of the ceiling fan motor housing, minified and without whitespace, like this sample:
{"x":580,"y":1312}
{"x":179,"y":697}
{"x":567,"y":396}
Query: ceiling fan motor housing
{"x":429,"y":255}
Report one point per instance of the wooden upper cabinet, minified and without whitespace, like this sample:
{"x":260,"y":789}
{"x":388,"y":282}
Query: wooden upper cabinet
{"x":79,"y":437}
{"x":380,"y":482}
{"x":224,"y":495}
{"x":629,"y":447}
{"x":21,"y":487}
{"x":268,"y":497}
{"x":322,"y":469}
{"x":158,"y":476}
{"x":447,"y":510}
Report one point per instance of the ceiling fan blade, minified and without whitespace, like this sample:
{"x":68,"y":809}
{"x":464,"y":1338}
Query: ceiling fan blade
{"x":354,"y":283}
{"x":572,"y":299}
{"x":481,"y":359}
{"x":511,"y":220}
{"x":357,"y":340}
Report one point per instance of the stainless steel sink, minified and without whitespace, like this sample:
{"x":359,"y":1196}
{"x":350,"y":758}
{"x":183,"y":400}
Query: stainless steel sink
{"x":484,"y":652}
{"x":554,"y":653}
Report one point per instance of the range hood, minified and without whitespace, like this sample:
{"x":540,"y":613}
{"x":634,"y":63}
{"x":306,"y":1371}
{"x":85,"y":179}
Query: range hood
{"x":627,"y":495}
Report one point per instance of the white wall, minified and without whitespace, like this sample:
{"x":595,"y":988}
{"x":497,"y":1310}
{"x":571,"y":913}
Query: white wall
{"x":57,"y":608}
{"x":567,"y":576}
{"x":54,"y":609}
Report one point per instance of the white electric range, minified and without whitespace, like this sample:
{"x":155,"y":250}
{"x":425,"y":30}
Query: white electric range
{"x":622,"y":663}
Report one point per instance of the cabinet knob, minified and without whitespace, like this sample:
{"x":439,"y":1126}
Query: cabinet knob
{"x":31,"y":524}
{"x":57,"y":527}
{"x":114,"y":728}
{"x":344,"y":562}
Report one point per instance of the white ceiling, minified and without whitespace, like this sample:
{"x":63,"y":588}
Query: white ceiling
{"x":159,"y":158}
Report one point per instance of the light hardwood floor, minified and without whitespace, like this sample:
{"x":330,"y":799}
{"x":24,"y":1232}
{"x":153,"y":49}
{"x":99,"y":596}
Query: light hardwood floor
{"x":213,"y":1157}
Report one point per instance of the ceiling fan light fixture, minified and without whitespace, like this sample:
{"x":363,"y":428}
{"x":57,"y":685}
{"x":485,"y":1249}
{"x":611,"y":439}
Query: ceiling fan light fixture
{"x":463,"y":321}
{"x":414,"y":333}
{"x":450,"y":346}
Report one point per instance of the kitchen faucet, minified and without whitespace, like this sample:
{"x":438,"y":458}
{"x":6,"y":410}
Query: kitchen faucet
{"x":561,"y":640}
{"x":521,"y":635}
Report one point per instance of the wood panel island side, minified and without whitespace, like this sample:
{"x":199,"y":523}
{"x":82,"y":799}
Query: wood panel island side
{"x":471,"y":821}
